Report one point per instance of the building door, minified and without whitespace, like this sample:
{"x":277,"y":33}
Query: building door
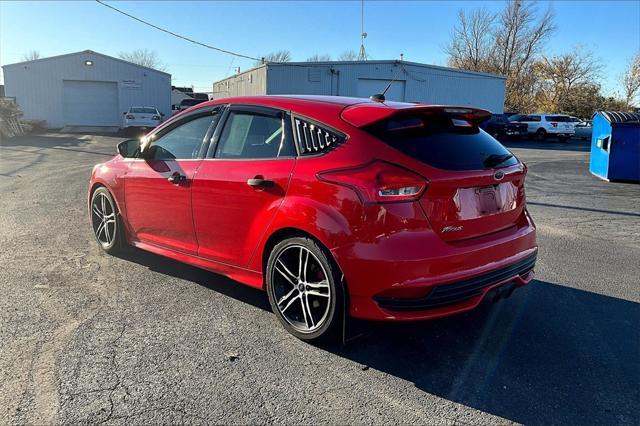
{"x":90,"y":103}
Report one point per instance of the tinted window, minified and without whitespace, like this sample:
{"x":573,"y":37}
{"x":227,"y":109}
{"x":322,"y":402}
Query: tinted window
{"x":190,"y":102}
{"x":182,"y":142}
{"x":498,"y":118}
{"x":248,"y":135}
{"x":532,"y":118}
{"x":516,"y":117}
{"x":558,"y":118}
{"x":140,"y":110}
{"x":444,"y":143}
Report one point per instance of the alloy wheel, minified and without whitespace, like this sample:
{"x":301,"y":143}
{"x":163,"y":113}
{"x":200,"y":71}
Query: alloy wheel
{"x":301,"y":288}
{"x":103,"y":217}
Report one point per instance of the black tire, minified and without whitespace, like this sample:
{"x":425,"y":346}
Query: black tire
{"x":541,"y":134}
{"x":330,"y":325}
{"x":108,"y":234}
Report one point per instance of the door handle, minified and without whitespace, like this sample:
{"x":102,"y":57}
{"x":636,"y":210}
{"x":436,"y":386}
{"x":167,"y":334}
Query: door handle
{"x":260,"y":183}
{"x":177,"y":178}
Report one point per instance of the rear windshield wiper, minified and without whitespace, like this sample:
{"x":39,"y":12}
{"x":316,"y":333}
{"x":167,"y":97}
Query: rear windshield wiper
{"x":496,"y":159}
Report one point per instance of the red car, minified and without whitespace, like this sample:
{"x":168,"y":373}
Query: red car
{"x":334,"y":206}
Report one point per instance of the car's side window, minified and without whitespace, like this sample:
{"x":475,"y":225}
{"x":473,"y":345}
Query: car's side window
{"x":534,"y":118}
{"x":182,"y":142}
{"x":251,"y":135}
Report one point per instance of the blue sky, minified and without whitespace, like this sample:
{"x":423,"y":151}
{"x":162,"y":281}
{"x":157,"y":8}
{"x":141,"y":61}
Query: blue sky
{"x":419,"y":29}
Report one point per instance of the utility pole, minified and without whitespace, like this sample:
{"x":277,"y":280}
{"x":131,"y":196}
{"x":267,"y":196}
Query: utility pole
{"x":362,"y":55}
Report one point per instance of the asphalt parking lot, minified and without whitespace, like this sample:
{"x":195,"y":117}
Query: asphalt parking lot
{"x":86,"y":337}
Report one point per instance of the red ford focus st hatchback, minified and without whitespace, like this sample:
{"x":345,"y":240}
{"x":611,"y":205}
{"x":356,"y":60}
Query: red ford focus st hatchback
{"x":335,"y":206}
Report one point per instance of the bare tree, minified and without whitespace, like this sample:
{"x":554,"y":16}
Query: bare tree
{"x":508,"y":44}
{"x":319,"y":58}
{"x":519,"y":38}
{"x":562,"y":75}
{"x":520,"y":35}
{"x":471,"y":41}
{"x":631,"y":80}
{"x":146,"y":58}
{"x":31,"y":55}
{"x":278,"y":56}
{"x":348,"y":55}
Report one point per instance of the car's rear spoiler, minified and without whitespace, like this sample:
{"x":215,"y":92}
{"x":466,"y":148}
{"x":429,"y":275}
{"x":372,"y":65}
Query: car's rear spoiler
{"x":362,"y":115}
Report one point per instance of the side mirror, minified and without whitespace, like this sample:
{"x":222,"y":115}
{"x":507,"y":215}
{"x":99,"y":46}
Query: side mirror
{"x":129,"y":148}
{"x":124,"y":113}
{"x":162,"y":114}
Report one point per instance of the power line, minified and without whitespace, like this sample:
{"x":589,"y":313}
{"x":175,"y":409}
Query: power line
{"x":228,"y":52}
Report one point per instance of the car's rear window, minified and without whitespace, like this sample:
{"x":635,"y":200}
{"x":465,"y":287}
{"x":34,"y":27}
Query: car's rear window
{"x":559,"y":118}
{"x":139,"y":110}
{"x":499,"y":118}
{"x":191,"y":102}
{"x":443,"y":142}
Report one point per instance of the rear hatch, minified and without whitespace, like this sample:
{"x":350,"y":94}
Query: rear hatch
{"x":144,"y":115}
{"x":476,"y":186}
{"x":515,"y":128}
{"x":561,"y":123}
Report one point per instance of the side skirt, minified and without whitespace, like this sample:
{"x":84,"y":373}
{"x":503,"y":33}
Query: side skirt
{"x":244,"y":276}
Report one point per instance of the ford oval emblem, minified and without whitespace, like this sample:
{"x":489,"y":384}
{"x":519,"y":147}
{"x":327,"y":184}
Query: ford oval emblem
{"x":498,"y":175}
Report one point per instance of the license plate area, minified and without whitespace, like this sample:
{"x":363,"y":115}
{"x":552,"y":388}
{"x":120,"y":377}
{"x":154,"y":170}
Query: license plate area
{"x":487,"y":200}
{"x":473,"y":203}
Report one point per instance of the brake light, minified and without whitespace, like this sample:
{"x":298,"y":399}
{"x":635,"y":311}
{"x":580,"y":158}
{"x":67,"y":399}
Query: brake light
{"x":378,"y":182}
{"x":554,"y":124}
{"x":130,"y":117}
{"x":155,"y":117}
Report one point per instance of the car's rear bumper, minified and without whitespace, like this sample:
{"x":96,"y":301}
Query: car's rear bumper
{"x":394,"y":281}
{"x":556,"y":132}
{"x":141,"y":125}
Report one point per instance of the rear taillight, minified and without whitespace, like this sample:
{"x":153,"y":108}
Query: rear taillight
{"x":378,"y":182}
{"x":130,"y":117}
{"x":155,"y":117}
{"x":554,"y":124}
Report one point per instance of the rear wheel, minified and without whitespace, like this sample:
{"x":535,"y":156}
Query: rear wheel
{"x":106,"y":221}
{"x":305,"y":289}
{"x":541,"y":134}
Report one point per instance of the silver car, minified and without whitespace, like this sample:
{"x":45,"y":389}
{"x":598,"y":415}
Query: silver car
{"x":583,"y":130}
{"x":141,"y":118}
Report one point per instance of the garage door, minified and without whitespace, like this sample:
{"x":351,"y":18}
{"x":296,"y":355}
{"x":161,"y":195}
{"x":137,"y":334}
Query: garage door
{"x":370,"y":86}
{"x":90,"y":103}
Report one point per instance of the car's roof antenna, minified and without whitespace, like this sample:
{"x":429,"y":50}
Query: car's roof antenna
{"x":379,"y":97}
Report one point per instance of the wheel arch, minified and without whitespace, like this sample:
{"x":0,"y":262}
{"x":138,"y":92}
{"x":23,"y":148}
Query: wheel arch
{"x":99,"y":184}
{"x":290,"y":232}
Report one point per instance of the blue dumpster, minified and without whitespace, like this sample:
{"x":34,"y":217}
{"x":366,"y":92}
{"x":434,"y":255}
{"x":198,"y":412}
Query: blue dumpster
{"x":615,"y":146}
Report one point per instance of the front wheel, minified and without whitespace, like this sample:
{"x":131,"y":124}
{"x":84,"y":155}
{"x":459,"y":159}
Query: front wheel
{"x":305,"y":290}
{"x":106,"y":222}
{"x":541,"y":134}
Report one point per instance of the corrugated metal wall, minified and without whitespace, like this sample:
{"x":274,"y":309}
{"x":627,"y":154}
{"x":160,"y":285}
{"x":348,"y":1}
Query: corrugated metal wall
{"x":38,"y":85}
{"x":422,"y":83}
{"x":248,"y":83}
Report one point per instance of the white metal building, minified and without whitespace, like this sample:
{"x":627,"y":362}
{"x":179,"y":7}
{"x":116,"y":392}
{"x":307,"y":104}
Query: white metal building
{"x":412,"y":82}
{"x":85,"y":89}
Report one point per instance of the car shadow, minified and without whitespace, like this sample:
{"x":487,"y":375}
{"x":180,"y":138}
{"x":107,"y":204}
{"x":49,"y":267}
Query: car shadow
{"x":551,"y":145}
{"x":210,"y":280}
{"x":52,"y":142}
{"x":548,"y":354}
